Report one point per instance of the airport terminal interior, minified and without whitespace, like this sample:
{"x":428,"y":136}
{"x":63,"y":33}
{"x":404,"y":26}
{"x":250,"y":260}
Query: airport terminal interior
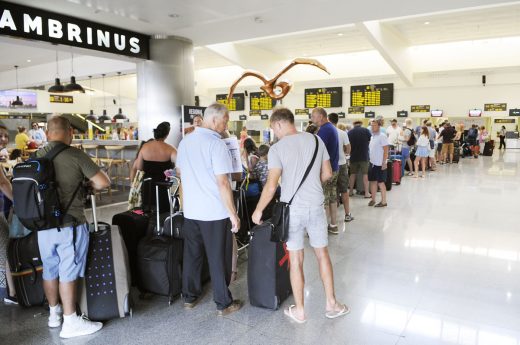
{"x":436,"y":265}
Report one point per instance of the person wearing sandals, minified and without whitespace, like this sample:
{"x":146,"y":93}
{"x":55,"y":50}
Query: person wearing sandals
{"x":423,"y":151}
{"x":288,"y":159}
{"x":377,"y":172}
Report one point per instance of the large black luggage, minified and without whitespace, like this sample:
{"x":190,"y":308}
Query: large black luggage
{"x":488,"y":148}
{"x":132,"y":225}
{"x":456,"y":152}
{"x":159,"y":261}
{"x":389,"y":175}
{"x":105,"y":293}
{"x":26,"y":268}
{"x":268,"y":277}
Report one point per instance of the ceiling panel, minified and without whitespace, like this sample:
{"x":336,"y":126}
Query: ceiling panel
{"x":501,"y":21}
{"x":205,"y":58}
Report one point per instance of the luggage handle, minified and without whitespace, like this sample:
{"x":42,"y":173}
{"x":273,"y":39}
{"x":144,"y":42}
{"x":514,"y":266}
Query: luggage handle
{"x":157,"y":209}
{"x":94,"y":215}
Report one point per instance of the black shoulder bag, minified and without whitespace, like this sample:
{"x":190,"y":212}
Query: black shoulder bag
{"x":280,"y":219}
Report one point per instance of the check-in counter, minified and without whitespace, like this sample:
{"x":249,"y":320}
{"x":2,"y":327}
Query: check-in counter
{"x":512,"y":143}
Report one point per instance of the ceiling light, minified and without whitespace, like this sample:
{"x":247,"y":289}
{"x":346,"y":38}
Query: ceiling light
{"x":426,"y":23}
{"x":57,"y":87}
{"x":119,"y":115}
{"x":91,"y":117}
{"x":73,"y":86}
{"x":18,"y":102}
{"x":340,"y":34}
{"x":104,"y":117}
{"x":28,"y":60}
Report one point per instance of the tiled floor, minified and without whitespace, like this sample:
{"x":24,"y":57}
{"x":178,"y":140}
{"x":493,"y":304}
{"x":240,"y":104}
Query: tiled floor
{"x":440,"y":265}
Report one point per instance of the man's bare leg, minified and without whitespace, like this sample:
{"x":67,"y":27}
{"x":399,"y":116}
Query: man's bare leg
{"x":327,"y":278}
{"x":51,"y":291}
{"x":297,"y":282}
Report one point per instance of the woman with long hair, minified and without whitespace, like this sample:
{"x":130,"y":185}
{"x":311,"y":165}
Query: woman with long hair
{"x":423,"y":151}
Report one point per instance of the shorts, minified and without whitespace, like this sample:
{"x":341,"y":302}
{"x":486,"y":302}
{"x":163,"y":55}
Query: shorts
{"x":405,"y":152}
{"x":343,"y":179}
{"x":447,"y":148}
{"x":59,"y":258}
{"x":422,"y":151}
{"x":359,"y":167}
{"x":439,"y":147}
{"x":307,"y":219}
{"x":330,"y":189}
{"x":376,"y":173}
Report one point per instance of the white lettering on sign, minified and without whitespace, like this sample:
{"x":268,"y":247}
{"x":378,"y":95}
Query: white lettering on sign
{"x":89,"y":35}
{"x":73,"y":32}
{"x":120,"y":41}
{"x":55,"y":29}
{"x":7,"y":20}
{"x":134,"y":43}
{"x":30,"y":24}
{"x":103,"y":38}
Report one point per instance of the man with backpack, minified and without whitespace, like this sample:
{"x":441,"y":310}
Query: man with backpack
{"x":63,"y":249}
{"x":471,"y":139}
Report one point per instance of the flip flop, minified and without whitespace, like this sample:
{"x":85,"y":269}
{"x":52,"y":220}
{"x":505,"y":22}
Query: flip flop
{"x":334,"y":314}
{"x":380,"y":205}
{"x":289,"y":313}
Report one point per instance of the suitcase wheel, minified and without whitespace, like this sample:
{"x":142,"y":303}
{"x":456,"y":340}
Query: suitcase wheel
{"x":170,"y":301}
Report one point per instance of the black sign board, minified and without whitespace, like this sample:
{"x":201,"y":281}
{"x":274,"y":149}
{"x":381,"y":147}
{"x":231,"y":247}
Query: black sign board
{"x":237,"y":101}
{"x":495,"y":107}
{"x":370,"y":114}
{"x":356,"y":110}
{"x":301,"y":112}
{"x":61,"y":99}
{"x":264,"y":117}
{"x":242,"y":117}
{"x":40,"y":25}
{"x":255,"y":112}
{"x":420,"y":109}
{"x":505,"y":121}
{"x":514,"y":112}
{"x":371,"y":95}
{"x":402,"y":113}
{"x":189,"y":112}
{"x":261,"y":101}
{"x":324,"y":97}
{"x":341,"y":115}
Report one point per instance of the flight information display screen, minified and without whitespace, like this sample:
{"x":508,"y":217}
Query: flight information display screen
{"x":324,"y":97}
{"x":371,"y":95}
{"x":261,"y":101}
{"x":237,"y":102}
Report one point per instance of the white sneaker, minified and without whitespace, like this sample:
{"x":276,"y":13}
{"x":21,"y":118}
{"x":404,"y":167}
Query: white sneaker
{"x":79,"y":325}
{"x":55,"y":317}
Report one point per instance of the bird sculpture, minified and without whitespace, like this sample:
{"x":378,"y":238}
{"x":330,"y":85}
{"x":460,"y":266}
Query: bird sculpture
{"x":274,"y":88}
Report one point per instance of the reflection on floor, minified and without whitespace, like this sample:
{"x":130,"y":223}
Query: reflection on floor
{"x":439,"y":265}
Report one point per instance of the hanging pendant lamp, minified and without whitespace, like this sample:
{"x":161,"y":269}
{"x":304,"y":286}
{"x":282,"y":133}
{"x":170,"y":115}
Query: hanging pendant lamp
{"x":73,"y":86}
{"x":119,"y":115}
{"x":91,"y":117}
{"x":18,"y":102}
{"x":57,"y":87}
{"x":104,"y":117}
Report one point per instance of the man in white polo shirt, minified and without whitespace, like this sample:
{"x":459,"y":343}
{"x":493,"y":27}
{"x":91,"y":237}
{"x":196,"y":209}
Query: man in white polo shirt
{"x":377,"y":172}
{"x":205,"y":166}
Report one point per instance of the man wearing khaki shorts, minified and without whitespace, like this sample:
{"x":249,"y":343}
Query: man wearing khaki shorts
{"x":447,"y":145}
{"x":288,"y":160}
{"x":359,"y":138}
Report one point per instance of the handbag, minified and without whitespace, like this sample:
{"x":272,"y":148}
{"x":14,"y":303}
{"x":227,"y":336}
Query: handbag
{"x":280,"y":218}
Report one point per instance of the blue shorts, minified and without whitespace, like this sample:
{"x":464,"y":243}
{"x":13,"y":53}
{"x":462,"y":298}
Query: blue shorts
{"x":405,"y":152}
{"x":58,"y":255}
{"x":376,"y":173}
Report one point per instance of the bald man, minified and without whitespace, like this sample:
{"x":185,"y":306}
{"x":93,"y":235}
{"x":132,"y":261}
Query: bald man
{"x":64,"y":250}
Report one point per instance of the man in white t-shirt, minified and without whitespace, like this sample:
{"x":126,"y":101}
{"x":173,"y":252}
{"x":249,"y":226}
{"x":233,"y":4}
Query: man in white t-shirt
{"x":377,"y":173}
{"x":343,"y":179}
{"x":393,"y":132}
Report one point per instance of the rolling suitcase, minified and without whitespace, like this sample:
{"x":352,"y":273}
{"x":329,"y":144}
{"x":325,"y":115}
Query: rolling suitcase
{"x":159,"y":261}
{"x":268,"y":279}
{"x":389,"y":175}
{"x":397,"y":169}
{"x":105,"y":291}
{"x":26,"y":268}
{"x":456,"y":153}
{"x":132,"y":225}
{"x":488,"y":148}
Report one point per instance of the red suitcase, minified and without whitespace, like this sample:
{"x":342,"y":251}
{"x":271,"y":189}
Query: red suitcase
{"x":397,"y":166}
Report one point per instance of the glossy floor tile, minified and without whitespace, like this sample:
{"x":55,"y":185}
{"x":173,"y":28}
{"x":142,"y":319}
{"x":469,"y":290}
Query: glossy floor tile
{"x":439,"y":265}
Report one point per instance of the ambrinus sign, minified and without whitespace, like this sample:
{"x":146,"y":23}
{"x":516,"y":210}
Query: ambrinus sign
{"x":41,"y":25}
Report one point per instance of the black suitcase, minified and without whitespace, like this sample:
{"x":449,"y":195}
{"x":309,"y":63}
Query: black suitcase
{"x":105,"y":291}
{"x":488,"y":148}
{"x":159,"y":261}
{"x":26,"y":268}
{"x":133,"y":225}
{"x":389,"y":175}
{"x":456,"y":153}
{"x":268,"y":279}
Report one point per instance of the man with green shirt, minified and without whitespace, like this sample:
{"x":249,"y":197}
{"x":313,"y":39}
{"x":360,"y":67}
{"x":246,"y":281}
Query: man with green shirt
{"x":63,"y":252}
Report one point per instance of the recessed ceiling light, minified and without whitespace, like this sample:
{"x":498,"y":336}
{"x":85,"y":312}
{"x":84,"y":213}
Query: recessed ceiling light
{"x":304,"y":54}
{"x":28,"y":60}
{"x":426,"y":23}
{"x":340,"y":34}
{"x":258,"y":20}
{"x":174,"y":15}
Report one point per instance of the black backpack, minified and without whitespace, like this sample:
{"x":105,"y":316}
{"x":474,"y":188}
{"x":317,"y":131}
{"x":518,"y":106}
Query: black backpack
{"x":472,"y":133}
{"x":35,"y":192}
{"x":412,"y":140}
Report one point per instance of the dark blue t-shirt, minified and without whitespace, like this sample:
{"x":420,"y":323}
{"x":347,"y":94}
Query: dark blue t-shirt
{"x":359,"y":140}
{"x":329,"y":134}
